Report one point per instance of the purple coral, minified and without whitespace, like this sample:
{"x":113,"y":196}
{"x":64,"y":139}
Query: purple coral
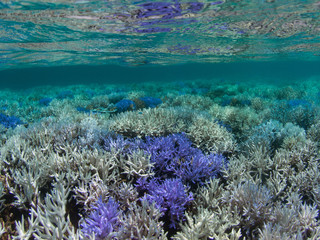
{"x":121,"y":144}
{"x":174,"y":155}
{"x":164,"y":150}
{"x":10,"y":121}
{"x":170,"y":197}
{"x":125,"y":105}
{"x":151,"y":102}
{"x":103,"y":222}
{"x":199,"y":168}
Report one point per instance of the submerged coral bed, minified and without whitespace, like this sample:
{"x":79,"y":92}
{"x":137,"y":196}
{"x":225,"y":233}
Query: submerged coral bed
{"x":183,"y":160}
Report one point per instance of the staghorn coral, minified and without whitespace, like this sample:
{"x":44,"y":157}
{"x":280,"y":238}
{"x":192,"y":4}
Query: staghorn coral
{"x":288,"y":93}
{"x":267,"y":135}
{"x":9,"y":121}
{"x":131,"y":159}
{"x":174,"y":155}
{"x":212,"y":218}
{"x":125,"y":105}
{"x":148,"y":122}
{"x":210,"y":225}
{"x":197,"y":227}
{"x":97,"y":102}
{"x":48,"y":219}
{"x":170,"y":196}
{"x":165,"y":151}
{"x":295,"y":220}
{"x":282,"y":164}
{"x":239,"y":119}
{"x":313,"y":132}
{"x":299,"y":112}
{"x":306,"y":182}
{"x":209,"y":136}
{"x":142,"y":222}
{"x":24,"y":183}
{"x":103,"y":221}
{"x":258,"y":104}
{"x":254,"y":203}
{"x":191,"y":101}
{"x":271,"y":135}
{"x":87,"y":192}
{"x":199,"y":168}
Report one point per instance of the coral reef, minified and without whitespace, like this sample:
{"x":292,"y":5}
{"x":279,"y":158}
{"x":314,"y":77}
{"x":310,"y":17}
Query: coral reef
{"x":178,"y":160}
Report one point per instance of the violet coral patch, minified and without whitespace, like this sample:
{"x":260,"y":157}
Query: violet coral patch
{"x":103,"y":222}
{"x":170,"y":196}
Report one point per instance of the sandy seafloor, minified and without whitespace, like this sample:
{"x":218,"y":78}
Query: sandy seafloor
{"x":174,"y":160}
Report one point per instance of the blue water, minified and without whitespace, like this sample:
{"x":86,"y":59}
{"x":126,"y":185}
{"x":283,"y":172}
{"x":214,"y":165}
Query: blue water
{"x":171,"y":119}
{"x":135,"y":33}
{"x":279,"y":72}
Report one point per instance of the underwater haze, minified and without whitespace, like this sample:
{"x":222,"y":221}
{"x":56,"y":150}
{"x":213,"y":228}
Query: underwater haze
{"x":173,"y":119}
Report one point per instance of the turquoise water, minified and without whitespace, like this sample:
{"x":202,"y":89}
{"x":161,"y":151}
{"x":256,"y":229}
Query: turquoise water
{"x":172,"y":119}
{"x":135,"y":33}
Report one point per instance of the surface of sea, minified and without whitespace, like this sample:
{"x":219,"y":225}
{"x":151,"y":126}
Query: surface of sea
{"x":175,"y":119}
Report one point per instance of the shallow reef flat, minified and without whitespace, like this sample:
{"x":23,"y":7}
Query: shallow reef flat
{"x":184,"y":160}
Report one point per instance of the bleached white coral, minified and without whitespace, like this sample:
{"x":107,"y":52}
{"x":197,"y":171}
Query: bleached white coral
{"x":192,"y":101}
{"x":148,"y":122}
{"x":53,"y":223}
{"x":295,"y":220}
{"x":142,"y":222}
{"x":138,"y":164}
{"x":196,"y":227}
{"x":90,"y":132}
{"x":221,"y":223}
{"x":2,"y":193}
{"x":88,"y":192}
{"x":25,"y":183}
{"x":239,"y":119}
{"x":210,"y":136}
{"x":254,"y":202}
{"x":48,"y":219}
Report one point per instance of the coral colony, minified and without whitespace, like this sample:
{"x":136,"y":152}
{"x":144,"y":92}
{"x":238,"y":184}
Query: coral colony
{"x":220,"y":161}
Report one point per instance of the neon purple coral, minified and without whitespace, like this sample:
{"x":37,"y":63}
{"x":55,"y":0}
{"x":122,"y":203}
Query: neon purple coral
{"x":103,"y":222}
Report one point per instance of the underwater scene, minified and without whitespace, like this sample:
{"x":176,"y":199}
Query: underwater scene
{"x":173,"y":119}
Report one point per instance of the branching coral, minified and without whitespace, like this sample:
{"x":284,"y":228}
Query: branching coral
{"x":295,"y":220}
{"x":210,"y":136}
{"x":148,"y":122}
{"x":103,"y":222}
{"x":254,"y":204}
{"x":179,"y":172}
{"x":193,"y":101}
{"x":174,"y":155}
{"x":48,"y":220}
{"x":210,"y":225}
{"x":239,"y":119}
{"x":142,"y":222}
{"x":9,"y":121}
{"x":297,"y":111}
{"x":170,"y":196}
